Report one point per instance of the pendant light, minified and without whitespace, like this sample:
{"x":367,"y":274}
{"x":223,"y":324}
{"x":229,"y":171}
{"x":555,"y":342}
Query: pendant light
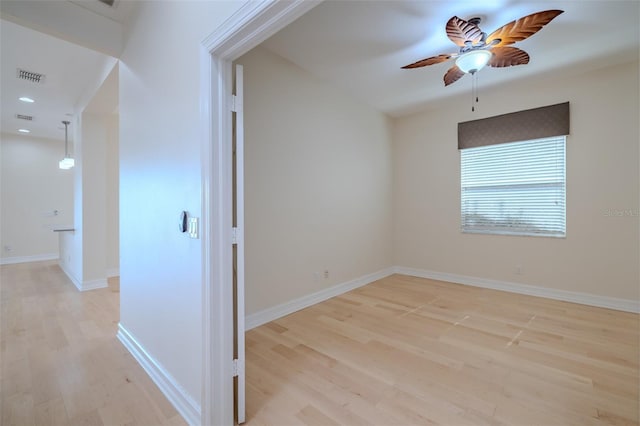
{"x":67,"y":162}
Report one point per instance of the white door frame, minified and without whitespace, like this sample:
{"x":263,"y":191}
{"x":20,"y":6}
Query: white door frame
{"x":249,"y":26}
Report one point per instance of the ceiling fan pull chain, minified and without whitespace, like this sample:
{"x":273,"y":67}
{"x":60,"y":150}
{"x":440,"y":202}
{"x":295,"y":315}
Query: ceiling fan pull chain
{"x":474,"y":90}
{"x":473,"y":106}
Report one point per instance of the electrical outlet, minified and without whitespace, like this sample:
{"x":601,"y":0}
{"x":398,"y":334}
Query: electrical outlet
{"x":519,"y":270}
{"x":326,"y":274}
{"x":8,"y":248}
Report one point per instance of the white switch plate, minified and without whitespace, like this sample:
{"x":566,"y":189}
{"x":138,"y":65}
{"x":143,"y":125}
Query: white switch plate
{"x":192,"y":227}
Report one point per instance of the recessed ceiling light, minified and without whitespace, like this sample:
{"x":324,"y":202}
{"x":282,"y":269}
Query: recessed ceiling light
{"x":26,"y":99}
{"x":24,"y":130}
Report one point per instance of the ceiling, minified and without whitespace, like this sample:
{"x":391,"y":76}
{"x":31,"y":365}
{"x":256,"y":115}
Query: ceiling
{"x":89,"y":23}
{"x":120,"y":11}
{"x":70,"y":72}
{"x":359,"y":46}
{"x":72,"y":42}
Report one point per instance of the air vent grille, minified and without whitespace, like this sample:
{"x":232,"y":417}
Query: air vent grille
{"x":31,"y":76}
{"x":24,"y":117}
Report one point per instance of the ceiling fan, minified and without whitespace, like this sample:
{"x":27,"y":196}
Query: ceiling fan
{"x":477,"y":49}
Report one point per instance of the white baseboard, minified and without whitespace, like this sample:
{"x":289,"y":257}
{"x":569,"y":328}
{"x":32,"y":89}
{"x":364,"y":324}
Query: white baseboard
{"x":25,"y":259}
{"x":270,"y":314}
{"x":94,"y":284}
{"x":181,"y":400}
{"x":70,"y":275}
{"x":83,"y":285}
{"x":112,"y":272}
{"x":549,"y":293}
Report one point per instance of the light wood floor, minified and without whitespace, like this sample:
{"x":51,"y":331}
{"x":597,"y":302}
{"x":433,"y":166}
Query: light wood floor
{"x":409,"y":351}
{"x":60,"y":360}
{"x":401,"y":351}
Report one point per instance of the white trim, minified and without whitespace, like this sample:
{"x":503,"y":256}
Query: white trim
{"x":112,"y":272}
{"x":25,"y":259}
{"x":83,"y":285}
{"x":209,"y":245}
{"x":240,"y":402}
{"x":548,"y":293}
{"x":181,"y":400}
{"x":251,"y":24}
{"x":217,"y":296}
{"x":254,"y":22}
{"x":279,"y":311}
{"x":94,"y":284}
{"x":71,"y":277}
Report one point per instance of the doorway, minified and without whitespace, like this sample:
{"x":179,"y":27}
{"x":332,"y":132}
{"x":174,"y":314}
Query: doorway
{"x":248,"y":27}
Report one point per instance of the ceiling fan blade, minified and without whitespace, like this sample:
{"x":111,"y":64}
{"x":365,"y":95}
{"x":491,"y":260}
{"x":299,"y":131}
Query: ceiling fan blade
{"x":430,"y":61}
{"x":508,"y":56}
{"x":522,"y":28}
{"x":459,"y":31}
{"x":453,"y":75}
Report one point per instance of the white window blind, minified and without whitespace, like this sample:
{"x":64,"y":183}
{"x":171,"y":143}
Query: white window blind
{"x":514,"y":188}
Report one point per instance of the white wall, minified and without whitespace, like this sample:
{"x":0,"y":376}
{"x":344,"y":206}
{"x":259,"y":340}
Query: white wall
{"x":160,"y":175}
{"x":94,"y":196}
{"x":600,"y":253}
{"x":89,"y":254}
{"x":71,"y":242}
{"x":318,"y":184}
{"x":32,"y":187}
{"x":113,"y":194}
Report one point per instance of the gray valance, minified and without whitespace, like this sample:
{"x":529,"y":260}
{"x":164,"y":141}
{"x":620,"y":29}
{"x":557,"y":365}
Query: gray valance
{"x":537,"y":123}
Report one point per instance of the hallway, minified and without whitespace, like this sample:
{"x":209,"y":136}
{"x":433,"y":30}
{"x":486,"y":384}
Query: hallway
{"x":61,"y":361}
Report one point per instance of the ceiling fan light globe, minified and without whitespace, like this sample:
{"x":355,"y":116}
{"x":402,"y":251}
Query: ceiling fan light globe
{"x":473,"y":61}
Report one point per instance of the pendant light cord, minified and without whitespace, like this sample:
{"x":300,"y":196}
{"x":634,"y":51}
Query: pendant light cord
{"x":66,"y":139}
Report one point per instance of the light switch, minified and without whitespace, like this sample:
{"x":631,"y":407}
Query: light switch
{"x":193,"y":227}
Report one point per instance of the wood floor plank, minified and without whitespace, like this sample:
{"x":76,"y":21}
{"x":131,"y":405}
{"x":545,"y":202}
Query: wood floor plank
{"x":400,"y":351}
{"x":51,"y":412}
{"x":61,"y":363}
{"x":411,"y":351}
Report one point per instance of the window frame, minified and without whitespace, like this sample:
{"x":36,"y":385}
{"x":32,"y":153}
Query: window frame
{"x":497,"y":230}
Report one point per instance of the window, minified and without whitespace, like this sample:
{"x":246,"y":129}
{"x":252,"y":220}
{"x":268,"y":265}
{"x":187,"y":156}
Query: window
{"x":514,"y":188}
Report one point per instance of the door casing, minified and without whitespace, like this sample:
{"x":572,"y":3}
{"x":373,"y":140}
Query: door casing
{"x":250,"y":25}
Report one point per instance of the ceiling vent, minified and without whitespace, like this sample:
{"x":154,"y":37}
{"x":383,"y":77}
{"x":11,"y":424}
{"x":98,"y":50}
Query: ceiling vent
{"x":24,"y":117}
{"x":31,"y":76}
{"x":110,"y":3}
